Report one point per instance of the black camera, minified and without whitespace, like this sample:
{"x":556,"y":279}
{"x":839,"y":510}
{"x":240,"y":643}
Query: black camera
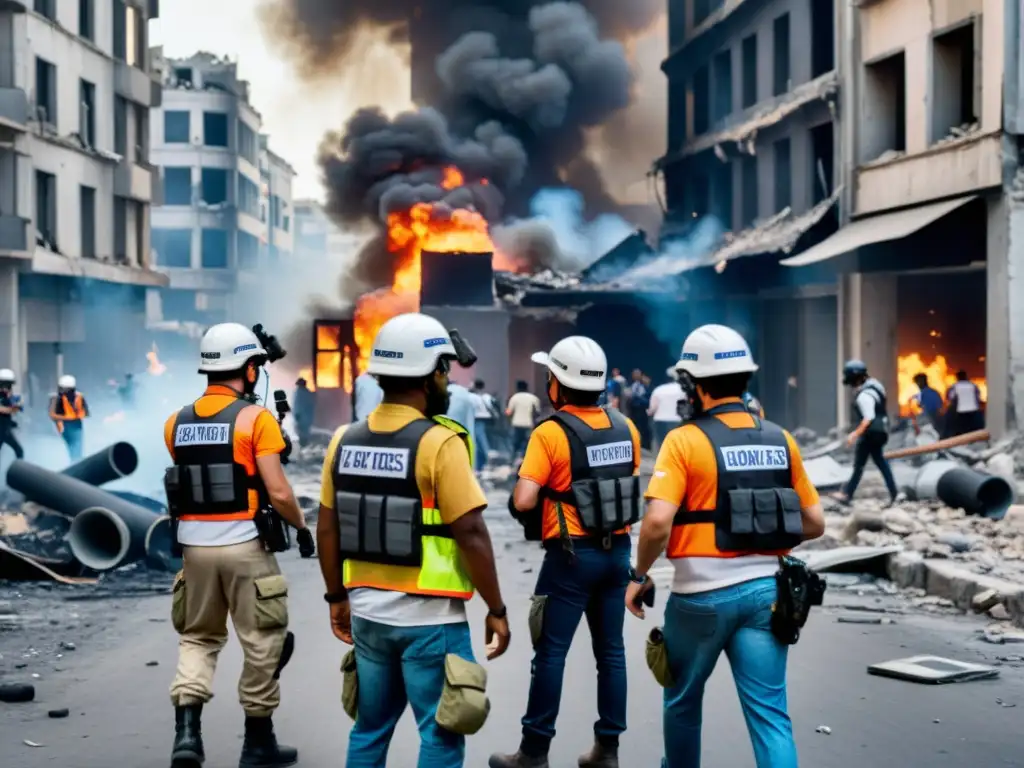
{"x":464,"y":354}
{"x":283,"y":409}
{"x":269,"y":343}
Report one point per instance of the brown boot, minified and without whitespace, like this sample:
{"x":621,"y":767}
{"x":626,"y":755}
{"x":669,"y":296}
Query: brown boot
{"x":518,"y":760}
{"x":600,"y":756}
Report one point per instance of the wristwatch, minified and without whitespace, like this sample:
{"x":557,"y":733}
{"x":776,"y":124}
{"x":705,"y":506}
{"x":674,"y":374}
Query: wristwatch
{"x":501,"y":613}
{"x":336,"y":597}
{"x":636,"y":578}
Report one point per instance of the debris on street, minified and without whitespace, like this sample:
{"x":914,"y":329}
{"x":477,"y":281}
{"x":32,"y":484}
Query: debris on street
{"x":933,"y":670}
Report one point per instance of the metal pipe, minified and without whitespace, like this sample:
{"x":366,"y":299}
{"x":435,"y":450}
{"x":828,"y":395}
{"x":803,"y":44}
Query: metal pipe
{"x":106,"y":532}
{"x":962,"y":488}
{"x":112,"y":463}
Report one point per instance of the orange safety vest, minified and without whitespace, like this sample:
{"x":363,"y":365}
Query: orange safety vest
{"x":70,"y":412}
{"x":764,"y":466}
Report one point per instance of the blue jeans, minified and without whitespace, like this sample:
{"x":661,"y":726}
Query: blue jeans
{"x":698,"y":628}
{"x":399,"y":666}
{"x":595,"y":586}
{"x":73,"y":438}
{"x":483,"y":445}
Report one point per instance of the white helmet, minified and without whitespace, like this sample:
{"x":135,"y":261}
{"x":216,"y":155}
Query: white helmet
{"x":409,"y":346}
{"x":228,"y":347}
{"x":715,"y":350}
{"x":577,"y":362}
{"x":6,"y":374}
{"x":66,"y":382}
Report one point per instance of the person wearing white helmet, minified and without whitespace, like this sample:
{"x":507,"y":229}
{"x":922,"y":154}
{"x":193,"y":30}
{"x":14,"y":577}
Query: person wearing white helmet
{"x":403,"y":546}
{"x":67,"y":411}
{"x":227,"y":468}
{"x":10,"y":404}
{"x":579,"y":492}
{"x":728,"y":499}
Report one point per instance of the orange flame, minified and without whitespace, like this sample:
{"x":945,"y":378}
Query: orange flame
{"x":155,"y":367}
{"x":409,"y":234}
{"x":940,"y":377}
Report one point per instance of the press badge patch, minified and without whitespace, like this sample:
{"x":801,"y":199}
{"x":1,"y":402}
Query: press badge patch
{"x":374,"y":462}
{"x":202,"y":434}
{"x":610,"y":453}
{"x":743,"y":458}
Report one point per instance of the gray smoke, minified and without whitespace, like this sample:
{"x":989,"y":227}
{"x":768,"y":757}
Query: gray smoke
{"x":321,"y":35}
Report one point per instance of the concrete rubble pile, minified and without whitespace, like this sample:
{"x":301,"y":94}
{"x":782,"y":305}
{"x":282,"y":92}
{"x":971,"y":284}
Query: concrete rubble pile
{"x":969,"y":557}
{"x":64,"y":527}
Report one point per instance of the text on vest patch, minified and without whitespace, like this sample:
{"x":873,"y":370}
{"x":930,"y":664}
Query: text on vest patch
{"x":373,"y":462}
{"x":202,"y":434}
{"x":610,"y":453}
{"x":742,"y":458}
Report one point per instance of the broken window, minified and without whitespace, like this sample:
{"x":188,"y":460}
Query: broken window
{"x":822,"y":159}
{"x":722,"y":68}
{"x":215,"y":249}
{"x":46,"y":209}
{"x":884,"y":107}
{"x":177,"y":186}
{"x":780,"y":55}
{"x":783,"y":175}
{"x":215,"y":129}
{"x":87,"y":201}
{"x":823,"y":45}
{"x":748,"y":190}
{"x":749,"y":51}
{"x":954,"y":95}
{"x":46,"y":92}
{"x":87,"y":113}
{"x":214,"y":186}
{"x":701,"y":107}
{"x":183,"y":75}
{"x":721,"y":190}
{"x":173,"y":247}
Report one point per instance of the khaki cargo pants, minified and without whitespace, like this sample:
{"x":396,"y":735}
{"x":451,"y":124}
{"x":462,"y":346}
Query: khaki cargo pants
{"x":244,"y":582}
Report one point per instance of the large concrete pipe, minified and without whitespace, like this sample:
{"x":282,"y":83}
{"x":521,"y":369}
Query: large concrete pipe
{"x":112,"y":463}
{"x":962,"y":488}
{"x":106,"y":532}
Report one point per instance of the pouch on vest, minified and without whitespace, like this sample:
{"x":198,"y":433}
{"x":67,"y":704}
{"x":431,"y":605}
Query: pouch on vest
{"x":377,"y":499}
{"x":604,"y":490}
{"x":656,"y":655}
{"x":766,"y":518}
{"x":349,"y":684}
{"x":464,"y":705}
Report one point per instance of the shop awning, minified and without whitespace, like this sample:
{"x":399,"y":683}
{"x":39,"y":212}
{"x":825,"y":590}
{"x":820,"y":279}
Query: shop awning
{"x":876,"y":229}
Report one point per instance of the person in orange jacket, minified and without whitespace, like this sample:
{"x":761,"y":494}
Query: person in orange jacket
{"x":67,"y":410}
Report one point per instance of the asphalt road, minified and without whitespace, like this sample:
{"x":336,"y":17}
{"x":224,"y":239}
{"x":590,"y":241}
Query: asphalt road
{"x":121,"y":716}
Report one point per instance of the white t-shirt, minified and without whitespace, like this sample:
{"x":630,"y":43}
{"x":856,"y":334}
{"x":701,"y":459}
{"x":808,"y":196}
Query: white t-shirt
{"x":665,"y":402}
{"x":480,"y":409}
{"x":966,"y":397}
{"x":523,"y":405}
{"x":194,"y":533}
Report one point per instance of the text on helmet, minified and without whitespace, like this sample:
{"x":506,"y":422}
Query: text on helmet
{"x":610,"y":453}
{"x":730,"y":355}
{"x":595,"y":374}
{"x":559,"y":363}
{"x":209,"y":355}
{"x":373,"y":462}
{"x":388,"y":354}
{"x":689,"y":356}
{"x":742,"y":458}
{"x":243,"y":348}
{"x":436,"y":342}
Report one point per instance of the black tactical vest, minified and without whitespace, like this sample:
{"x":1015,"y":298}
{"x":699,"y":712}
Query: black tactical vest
{"x":756,"y":508}
{"x":376,"y":497}
{"x":205,"y":479}
{"x":880,"y":424}
{"x":604,"y":490}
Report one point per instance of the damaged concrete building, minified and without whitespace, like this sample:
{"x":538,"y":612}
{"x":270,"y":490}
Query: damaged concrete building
{"x":76,"y":186}
{"x":927,"y":259}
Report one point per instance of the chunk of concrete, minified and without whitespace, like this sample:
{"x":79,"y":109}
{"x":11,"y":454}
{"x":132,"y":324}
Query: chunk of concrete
{"x":932,"y":670}
{"x":826,"y":473}
{"x":983,"y":601}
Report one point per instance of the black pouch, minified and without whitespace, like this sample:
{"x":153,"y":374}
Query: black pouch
{"x":799,"y":589}
{"x":380,"y":529}
{"x":531,"y":521}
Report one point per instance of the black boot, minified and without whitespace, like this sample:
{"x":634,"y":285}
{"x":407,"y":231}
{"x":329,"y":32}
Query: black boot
{"x":518,"y":760}
{"x":260,"y":748}
{"x":187,"y":751}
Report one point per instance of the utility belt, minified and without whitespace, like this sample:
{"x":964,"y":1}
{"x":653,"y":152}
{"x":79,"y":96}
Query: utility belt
{"x":799,"y":589}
